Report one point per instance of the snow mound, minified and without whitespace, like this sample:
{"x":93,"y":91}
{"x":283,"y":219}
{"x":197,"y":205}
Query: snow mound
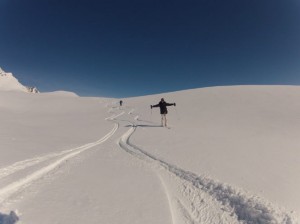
{"x":63,"y":94}
{"x":9,"y":83}
{"x":9,"y":219}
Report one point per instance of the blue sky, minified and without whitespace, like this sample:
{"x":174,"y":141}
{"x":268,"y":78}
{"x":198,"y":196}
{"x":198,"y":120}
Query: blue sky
{"x":123,"y":48}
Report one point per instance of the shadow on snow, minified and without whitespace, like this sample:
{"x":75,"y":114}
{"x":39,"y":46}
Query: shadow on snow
{"x":12,"y":218}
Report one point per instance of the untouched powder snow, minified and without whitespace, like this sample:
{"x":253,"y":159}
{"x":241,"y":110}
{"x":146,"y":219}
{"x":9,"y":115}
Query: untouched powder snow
{"x":229,"y":155}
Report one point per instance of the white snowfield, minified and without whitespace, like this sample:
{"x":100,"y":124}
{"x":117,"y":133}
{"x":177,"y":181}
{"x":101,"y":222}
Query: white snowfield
{"x":229,"y":155}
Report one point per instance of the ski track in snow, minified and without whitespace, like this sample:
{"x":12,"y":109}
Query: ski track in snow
{"x":21,"y":165}
{"x":7,"y":191}
{"x":192,"y":198}
{"x":197,"y":199}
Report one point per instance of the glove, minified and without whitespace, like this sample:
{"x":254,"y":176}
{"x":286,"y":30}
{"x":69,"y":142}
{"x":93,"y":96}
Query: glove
{"x":151,"y":106}
{"x":174,"y":104}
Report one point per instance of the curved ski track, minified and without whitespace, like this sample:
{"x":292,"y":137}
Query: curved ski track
{"x":197,"y":199}
{"x":192,"y":198}
{"x":10,"y":189}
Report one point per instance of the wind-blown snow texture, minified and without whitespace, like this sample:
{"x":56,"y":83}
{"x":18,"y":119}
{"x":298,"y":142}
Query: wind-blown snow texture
{"x":230,"y":155}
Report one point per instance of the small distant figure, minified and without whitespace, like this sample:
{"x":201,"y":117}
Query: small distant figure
{"x":121,"y":103}
{"x":163,"y":110}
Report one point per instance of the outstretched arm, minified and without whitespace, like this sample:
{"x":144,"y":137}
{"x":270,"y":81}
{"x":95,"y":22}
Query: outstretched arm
{"x":157,"y":105}
{"x":171,"y":104}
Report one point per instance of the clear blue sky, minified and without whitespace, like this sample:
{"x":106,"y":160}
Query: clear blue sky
{"x":126,"y":48}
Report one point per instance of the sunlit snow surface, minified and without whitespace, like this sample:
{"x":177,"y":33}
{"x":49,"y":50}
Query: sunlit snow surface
{"x":228,"y":155}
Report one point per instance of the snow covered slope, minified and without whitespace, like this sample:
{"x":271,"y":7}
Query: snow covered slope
{"x":9,"y":83}
{"x":230,"y":155}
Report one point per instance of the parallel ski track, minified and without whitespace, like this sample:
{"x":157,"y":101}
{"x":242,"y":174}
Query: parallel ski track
{"x":199,"y":199}
{"x":10,"y":189}
{"x":192,"y":198}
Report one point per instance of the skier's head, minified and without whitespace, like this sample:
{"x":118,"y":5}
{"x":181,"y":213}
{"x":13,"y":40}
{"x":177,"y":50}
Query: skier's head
{"x":162,"y":100}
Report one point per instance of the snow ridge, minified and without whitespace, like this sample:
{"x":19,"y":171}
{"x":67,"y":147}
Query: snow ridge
{"x":200,"y":199}
{"x":2,"y":72}
{"x":9,"y":83}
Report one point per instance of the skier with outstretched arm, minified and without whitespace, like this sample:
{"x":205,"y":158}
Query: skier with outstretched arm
{"x":163,"y":110}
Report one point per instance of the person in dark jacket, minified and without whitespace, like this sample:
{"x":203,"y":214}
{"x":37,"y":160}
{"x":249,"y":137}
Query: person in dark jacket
{"x":163,"y":110}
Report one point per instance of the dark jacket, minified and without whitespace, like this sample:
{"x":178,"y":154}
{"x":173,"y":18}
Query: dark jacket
{"x":163,"y":106}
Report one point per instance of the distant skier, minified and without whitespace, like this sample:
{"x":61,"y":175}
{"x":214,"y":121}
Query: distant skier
{"x":163,"y":110}
{"x":121,"y":103}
